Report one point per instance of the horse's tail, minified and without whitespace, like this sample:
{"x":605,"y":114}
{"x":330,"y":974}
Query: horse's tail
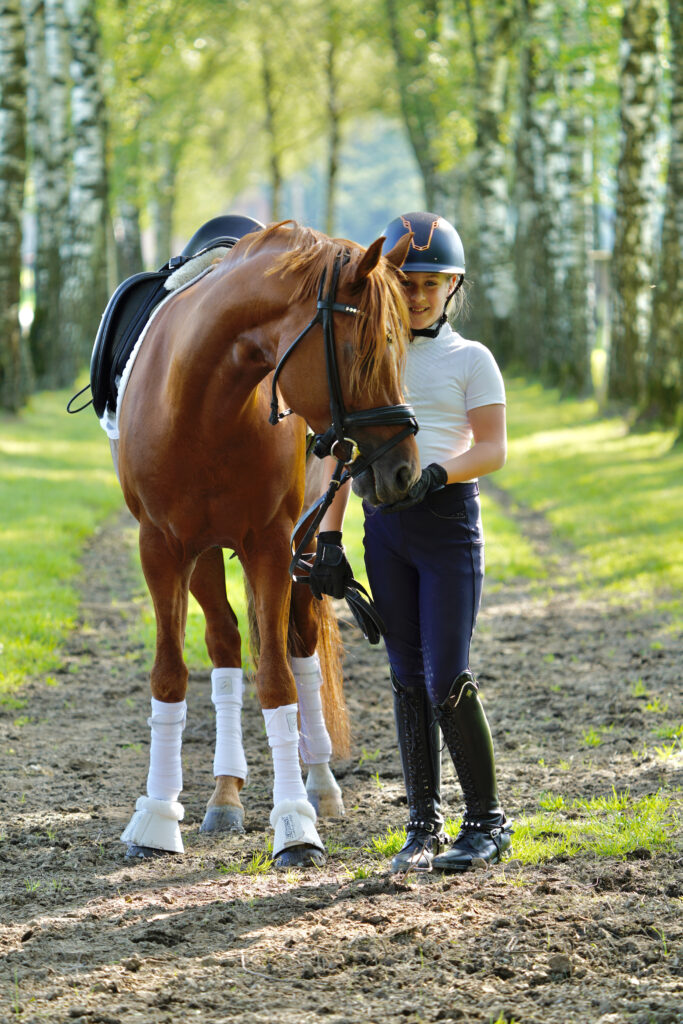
{"x":254,"y":635}
{"x":330,"y":651}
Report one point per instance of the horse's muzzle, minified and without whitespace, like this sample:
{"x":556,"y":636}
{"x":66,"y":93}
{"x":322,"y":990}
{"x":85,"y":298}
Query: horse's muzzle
{"x":383,"y":485}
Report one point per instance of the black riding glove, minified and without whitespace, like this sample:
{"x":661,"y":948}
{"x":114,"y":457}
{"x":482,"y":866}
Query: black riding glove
{"x":433,"y":478}
{"x":330,"y":571}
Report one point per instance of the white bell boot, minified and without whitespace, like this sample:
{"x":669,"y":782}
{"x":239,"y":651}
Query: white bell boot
{"x":293,"y":817}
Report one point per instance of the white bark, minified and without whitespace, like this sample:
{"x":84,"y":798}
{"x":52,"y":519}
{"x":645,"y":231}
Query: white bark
{"x":665,"y":363}
{"x":84,"y":290}
{"x":635,"y":207}
{"x":496,"y":297}
{"x":13,"y":383}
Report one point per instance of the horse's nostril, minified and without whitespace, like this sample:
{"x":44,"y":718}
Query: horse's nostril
{"x":404,"y":477}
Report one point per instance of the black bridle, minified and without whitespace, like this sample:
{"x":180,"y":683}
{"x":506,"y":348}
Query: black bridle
{"x":338,"y":442}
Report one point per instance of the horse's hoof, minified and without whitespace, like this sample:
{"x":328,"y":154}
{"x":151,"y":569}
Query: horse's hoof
{"x":135,"y":852}
{"x":223,"y":819}
{"x":327,"y":805}
{"x":323,"y":792}
{"x":299,"y":857}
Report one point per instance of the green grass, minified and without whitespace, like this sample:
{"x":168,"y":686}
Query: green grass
{"x":616,"y":497}
{"x":259,"y":864}
{"x":388,"y":844}
{"x":611,"y":826}
{"x":56,"y":484}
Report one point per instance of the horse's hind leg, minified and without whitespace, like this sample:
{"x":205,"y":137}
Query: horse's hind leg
{"x":224,"y":811}
{"x":154,"y":825}
{"x":315,"y":745}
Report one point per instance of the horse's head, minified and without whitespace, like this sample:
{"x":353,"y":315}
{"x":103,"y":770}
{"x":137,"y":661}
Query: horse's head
{"x":344,"y":373}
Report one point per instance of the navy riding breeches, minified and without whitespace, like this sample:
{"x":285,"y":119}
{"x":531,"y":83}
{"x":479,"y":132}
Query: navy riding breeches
{"x":426,"y":568}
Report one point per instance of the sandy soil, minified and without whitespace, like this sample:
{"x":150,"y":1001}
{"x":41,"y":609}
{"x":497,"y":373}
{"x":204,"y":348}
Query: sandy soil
{"x":86,"y":936}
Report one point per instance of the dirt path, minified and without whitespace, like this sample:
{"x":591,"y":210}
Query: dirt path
{"x":84,"y":936}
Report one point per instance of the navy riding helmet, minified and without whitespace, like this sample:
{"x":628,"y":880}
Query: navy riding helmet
{"x":435,"y":247}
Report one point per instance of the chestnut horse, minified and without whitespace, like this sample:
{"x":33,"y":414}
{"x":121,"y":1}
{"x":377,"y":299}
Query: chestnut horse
{"x":202,"y":469}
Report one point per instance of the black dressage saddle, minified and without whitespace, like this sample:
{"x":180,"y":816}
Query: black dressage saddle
{"x":133,"y":302}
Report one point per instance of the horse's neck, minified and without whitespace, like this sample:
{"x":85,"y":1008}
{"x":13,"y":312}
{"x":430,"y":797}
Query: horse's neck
{"x":239,"y":325}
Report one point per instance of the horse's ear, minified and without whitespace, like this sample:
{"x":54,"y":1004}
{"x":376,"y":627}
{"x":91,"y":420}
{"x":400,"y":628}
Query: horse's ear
{"x":398,"y":254}
{"x":370,"y":259}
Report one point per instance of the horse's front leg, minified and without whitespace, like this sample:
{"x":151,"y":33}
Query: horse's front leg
{"x":224,"y":812}
{"x":154,"y":828}
{"x":296,"y":842}
{"x":315,"y":746}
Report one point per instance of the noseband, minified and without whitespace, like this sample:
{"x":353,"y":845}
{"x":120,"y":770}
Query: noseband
{"x":338,"y":442}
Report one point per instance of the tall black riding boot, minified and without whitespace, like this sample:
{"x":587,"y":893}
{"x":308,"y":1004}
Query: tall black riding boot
{"x":419,"y":745}
{"x":484,"y":833}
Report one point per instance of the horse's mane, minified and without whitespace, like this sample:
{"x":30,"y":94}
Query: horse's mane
{"x":384,"y":313}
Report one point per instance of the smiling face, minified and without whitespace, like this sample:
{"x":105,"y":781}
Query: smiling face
{"x":426,"y":295}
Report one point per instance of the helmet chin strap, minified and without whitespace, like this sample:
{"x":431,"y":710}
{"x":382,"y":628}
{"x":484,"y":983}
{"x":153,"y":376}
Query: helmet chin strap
{"x":431,"y":332}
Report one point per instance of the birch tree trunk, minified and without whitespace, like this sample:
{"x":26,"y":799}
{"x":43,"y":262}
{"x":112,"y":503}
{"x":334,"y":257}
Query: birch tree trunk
{"x":635,"y":204}
{"x":580,"y":291}
{"x":412,"y":48}
{"x":665,"y":363}
{"x":84,"y":288}
{"x":128,"y":239}
{"x":49,"y":147}
{"x":274,"y":155}
{"x":13,"y":366}
{"x":531,"y":255}
{"x":568,"y":360}
{"x":496,"y":291}
{"x":163,"y":200}
{"x":333,"y":118}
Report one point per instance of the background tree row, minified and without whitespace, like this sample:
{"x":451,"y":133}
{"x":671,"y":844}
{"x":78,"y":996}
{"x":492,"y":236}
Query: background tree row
{"x":549,"y":132}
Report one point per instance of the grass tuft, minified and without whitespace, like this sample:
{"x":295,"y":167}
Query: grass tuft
{"x":609,"y":826}
{"x":388,"y":844}
{"x":259,"y":864}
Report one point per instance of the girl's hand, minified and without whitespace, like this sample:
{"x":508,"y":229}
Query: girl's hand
{"x":330,"y":571}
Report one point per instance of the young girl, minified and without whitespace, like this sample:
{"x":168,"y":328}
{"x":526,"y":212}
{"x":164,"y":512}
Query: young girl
{"x":425,"y":560}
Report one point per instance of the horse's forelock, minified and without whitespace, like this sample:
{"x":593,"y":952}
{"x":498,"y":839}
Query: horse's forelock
{"x":380,"y":296}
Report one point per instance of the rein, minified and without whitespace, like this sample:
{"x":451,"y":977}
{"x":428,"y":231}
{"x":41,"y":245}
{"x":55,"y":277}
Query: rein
{"x":337,"y":443}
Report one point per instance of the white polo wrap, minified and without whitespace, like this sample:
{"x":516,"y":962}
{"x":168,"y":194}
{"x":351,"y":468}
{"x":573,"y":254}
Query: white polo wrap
{"x":227,"y":688}
{"x":315,"y":746}
{"x":165,"y":778}
{"x":283,"y":736}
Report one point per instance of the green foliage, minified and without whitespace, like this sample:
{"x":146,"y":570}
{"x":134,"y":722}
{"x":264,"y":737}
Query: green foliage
{"x":609,"y":826}
{"x":56,"y":484}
